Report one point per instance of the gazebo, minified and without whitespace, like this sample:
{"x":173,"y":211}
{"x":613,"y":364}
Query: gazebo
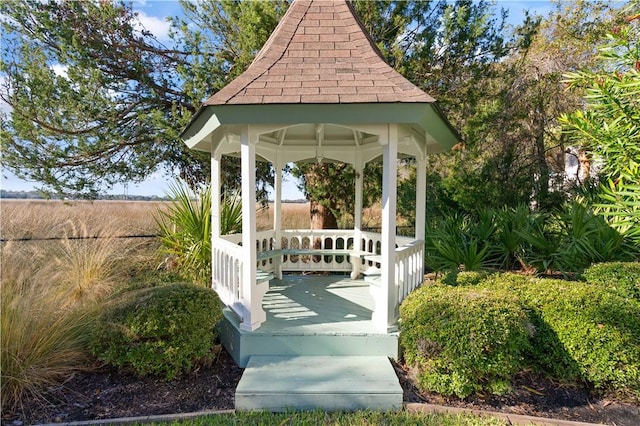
{"x":319,"y":90}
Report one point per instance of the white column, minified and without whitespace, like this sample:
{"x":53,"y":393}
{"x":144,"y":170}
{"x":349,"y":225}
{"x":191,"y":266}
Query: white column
{"x":357,"y":218}
{"x":215,"y":212}
{"x":253,"y":314}
{"x":277,"y":214}
{"x":385,"y":317}
{"x":421,"y":197}
{"x":215,"y":196}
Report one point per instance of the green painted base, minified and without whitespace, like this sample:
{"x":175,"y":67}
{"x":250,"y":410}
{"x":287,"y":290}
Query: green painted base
{"x":329,"y":383}
{"x":244,"y":344}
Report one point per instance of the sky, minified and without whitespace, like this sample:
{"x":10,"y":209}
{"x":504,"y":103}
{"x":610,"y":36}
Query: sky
{"x":153,"y":14}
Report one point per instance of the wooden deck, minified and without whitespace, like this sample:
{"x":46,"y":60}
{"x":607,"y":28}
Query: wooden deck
{"x":317,"y":304}
{"x":311,"y":315}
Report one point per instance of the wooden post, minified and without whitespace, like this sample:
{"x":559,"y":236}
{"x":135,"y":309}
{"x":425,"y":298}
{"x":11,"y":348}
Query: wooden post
{"x":386,"y":312}
{"x":251,"y":299}
{"x":421,"y":197}
{"x":215,"y":196}
{"x":277,"y":214}
{"x":357,"y":219}
{"x":215,"y":211}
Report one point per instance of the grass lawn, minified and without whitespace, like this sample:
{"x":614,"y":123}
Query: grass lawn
{"x":364,"y":418}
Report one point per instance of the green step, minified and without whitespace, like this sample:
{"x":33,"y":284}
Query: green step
{"x":328,"y":383}
{"x":273,"y":340}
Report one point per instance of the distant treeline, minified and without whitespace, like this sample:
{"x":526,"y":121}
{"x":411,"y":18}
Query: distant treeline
{"x":35,"y":195}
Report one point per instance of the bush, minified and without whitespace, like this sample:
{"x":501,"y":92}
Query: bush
{"x":163,"y":330}
{"x":463,"y":278}
{"x":582,"y":331}
{"x":623,"y":278}
{"x":597,"y":329}
{"x":464,"y":340}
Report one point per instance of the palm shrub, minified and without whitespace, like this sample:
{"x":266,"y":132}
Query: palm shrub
{"x":588,"y":238}
{"x":185,"y":229}
{"x":572,"y":238}
{"x":511,"y":223}
{"x":231,"y":213}
{"x":461,"y":241}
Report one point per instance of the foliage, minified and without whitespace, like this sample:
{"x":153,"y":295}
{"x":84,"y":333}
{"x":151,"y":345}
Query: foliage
{"x":97,"y":99}
{"x":464,"y":340}
{"x":231,"y":214}
{"x":609,"y":127}
{"x":620,"y":205}
{"x":43,"y":336}
{"x":460,"y":241}
{"x":485,"y":239}
{"x":622,"y":278}
{"x":581,"y":331}
{"x":164,"y":330}
{"x":185,"y":229}
{"x":571,"y":239}
{"x":567,"y":240}
{"x":185,"y":232}
{"x":511,"y":223}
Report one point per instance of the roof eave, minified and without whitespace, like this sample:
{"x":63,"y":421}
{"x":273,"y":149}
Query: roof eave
{"x":426,"y":115}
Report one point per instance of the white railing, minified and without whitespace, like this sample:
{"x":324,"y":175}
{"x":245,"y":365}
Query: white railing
{"x":266,"y":241}
{"x":322,"y":239}
{"x":227,"y":270}
{"x":228,"y":261}
{"x":409,"y":267}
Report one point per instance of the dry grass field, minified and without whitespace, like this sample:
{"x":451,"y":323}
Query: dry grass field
{"x":296,"y":216}
{"x":35,"y":219}
{"x":57,"y":219}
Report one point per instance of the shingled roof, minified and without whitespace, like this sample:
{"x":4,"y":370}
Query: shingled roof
{"x":320,"y":53}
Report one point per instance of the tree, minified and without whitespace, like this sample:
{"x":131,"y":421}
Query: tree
{"x":97,"y":99}
{"x":609,"y":127}
{"x":514,"y":148}
{"x":445,"y":48}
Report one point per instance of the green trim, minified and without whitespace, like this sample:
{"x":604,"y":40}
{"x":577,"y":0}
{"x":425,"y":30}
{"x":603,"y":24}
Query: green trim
{"x":426,"y":115}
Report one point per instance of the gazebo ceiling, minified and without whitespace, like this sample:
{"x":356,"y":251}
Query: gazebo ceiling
{"x":322,"y":142}
{"x":320,"y":88}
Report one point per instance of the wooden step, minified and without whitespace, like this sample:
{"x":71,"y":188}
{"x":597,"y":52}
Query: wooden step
{"x":329,"y":383}
{"x":243,"y":345}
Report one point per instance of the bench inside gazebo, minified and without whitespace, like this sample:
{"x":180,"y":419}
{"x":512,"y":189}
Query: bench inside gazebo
{"x":319,"y":90}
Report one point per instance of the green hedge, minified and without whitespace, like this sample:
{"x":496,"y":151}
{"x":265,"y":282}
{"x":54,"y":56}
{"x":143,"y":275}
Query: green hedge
{"x":592,"y":331}
{"x":581,"y":331}
{"x":621,"y":277}
{"x":163,"y":330}
{"x":464,"y":340}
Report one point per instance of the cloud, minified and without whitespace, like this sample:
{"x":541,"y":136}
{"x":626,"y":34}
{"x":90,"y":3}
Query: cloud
{"x":159,"y":27}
